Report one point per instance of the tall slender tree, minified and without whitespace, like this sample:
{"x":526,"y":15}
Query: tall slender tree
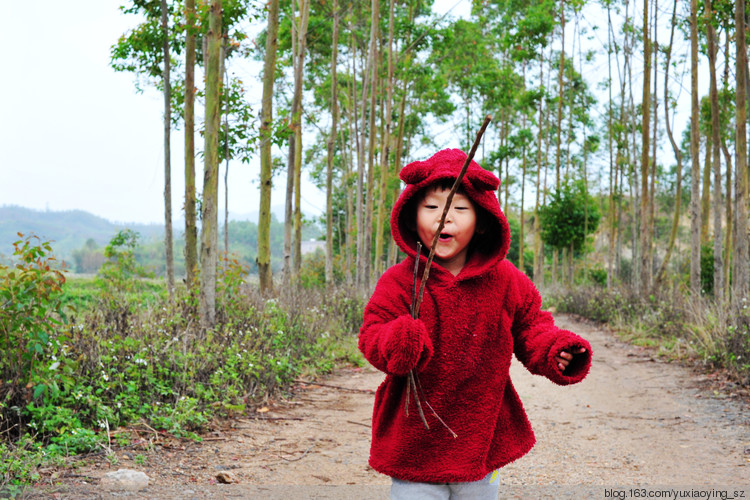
{"x":716,"y":146}
{"x":645,"y":280}
{"x":742,"y":259}
{"x":167,"y":151}
{"x":332,"y":143}
{"x":191,"y":230}
{"x":695,"y":246}
{"x":266,"y":182}
{"x":209,"y":218}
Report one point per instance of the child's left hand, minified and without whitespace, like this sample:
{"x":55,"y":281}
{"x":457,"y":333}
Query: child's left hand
{"x":564,"y":358}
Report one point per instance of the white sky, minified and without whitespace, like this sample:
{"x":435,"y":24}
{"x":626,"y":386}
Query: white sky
{"x":74,"y":134}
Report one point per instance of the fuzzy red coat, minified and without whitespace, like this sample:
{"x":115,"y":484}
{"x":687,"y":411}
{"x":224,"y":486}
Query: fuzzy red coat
{"x":470,"y":325}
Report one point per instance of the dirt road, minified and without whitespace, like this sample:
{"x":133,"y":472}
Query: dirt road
{"x":634,"y":421}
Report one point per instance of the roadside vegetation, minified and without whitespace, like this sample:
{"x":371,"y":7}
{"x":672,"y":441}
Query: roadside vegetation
{"x":694,"y":330}
{"x":82,"y":360}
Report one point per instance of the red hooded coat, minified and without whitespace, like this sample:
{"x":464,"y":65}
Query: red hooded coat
{"x":461,"y":346}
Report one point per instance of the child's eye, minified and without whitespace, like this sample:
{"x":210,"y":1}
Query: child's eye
{"x":432,"y":207}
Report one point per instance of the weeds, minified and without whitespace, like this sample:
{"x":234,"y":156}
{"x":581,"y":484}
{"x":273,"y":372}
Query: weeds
{"x":130,"y":357}
{"x":678,"y":325}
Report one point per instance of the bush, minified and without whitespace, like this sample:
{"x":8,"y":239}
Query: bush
{"x":124,"y":359}
{"x":680,"y":326}
{"x":31,"y":314}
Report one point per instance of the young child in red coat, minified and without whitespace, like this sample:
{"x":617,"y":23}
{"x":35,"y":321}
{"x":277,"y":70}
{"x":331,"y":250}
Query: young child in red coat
{"x":477,"y":311}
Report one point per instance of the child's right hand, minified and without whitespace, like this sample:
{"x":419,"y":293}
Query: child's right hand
{"x":407,"y":346}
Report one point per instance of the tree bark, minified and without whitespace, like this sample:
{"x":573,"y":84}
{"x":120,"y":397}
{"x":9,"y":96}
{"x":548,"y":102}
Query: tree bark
{"x":331,"y":144}
{"x":741,"y":277}
{"x":706,"y":189}
{"x":677,"y":154}
{"x":538,"y":258}
{"x":209,"y":229}
{"x":385,"y":150}
{"x":695,"y":246}
{"x":191,"y":230}
{"x":715,"y":139}
{"x":167,"y":151}
{"x":266,"y":182}
{"x":561,"y":93}
{"x":645,"y":280}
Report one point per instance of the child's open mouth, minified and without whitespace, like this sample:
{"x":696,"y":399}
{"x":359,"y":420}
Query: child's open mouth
{"x":445,"y":236}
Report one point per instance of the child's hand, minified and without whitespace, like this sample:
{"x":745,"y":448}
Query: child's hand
{"x":564,"y":358}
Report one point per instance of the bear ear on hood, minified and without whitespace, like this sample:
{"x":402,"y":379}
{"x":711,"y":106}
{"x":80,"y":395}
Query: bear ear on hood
{"x":415,"y":172}
{"x":482,"y":180}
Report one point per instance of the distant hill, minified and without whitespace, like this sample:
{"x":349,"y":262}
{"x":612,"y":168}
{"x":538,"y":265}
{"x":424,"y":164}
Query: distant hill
{"x":68,"y":230}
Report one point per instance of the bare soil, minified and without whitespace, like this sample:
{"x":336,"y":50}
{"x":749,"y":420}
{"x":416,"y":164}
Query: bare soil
{"x":636,"y":420}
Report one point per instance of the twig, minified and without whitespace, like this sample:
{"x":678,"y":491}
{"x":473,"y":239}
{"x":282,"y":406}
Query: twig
{"x":298,"y":458}
{"x":448,"y":201}
{"x":417,"y":297}
{"x":433,"y":410}
{"x":411,"y":311}
{"x":359,"y":423}
{"x":413,"y":385}
{"x":365,"y":391}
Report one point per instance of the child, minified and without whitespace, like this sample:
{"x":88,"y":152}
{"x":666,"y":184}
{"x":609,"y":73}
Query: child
{"x":477,"y":311}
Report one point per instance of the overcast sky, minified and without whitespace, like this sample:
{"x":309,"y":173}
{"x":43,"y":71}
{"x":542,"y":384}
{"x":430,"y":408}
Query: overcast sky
{"x":74,"y":134}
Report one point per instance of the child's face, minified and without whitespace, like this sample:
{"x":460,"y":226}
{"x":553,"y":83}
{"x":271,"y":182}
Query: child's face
{"x":460,"y":223}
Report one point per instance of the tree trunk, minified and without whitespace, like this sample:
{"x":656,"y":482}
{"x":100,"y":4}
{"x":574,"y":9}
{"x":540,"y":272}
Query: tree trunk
{"x":298,"y":81}
{"x":266,"y":130}
{"x":372,"y":66}
{"x":209,"y":232}
{"x":538,"y":260}
{"x":561,"y":93}
{"x":292,"y":244}
{"x":610,"y":148}
{"x":224,"y":93}
{"x":286,"y":267}
{"x":386,"y":148}
{"x":695,"y":246}
{"x":645,"y":280}
{"x":715,"y":140}
{"x":361,"y":227}
{"x":677,"y":154}
{"x":331,"y":144}
{"x":167,"y":151}
{"x":523,"y":180}
{"x":191,"y":231}
{"x":706,"y":189}
{"x":741,"y":277}
{"x":728,"y":161}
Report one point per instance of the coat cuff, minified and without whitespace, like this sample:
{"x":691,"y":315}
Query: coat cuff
{"x":580,"y":364}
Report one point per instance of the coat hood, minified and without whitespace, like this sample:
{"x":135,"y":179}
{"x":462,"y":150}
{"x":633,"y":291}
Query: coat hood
{"x":487,"y":248}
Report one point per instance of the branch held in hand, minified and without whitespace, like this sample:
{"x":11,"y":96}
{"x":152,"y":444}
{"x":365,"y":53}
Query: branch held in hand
{"x":413,"y":380}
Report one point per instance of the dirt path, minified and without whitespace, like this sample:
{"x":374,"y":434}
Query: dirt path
{"x":633,"y":421}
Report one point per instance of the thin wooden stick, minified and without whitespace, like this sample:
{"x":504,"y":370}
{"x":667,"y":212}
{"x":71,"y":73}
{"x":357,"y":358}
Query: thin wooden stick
{"x":419,"y":384}
{"x":487,"y":120}
{"x":417,"y":297}
{"x":413,"y":384}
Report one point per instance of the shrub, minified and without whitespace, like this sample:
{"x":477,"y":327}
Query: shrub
{"x":31,"y":312}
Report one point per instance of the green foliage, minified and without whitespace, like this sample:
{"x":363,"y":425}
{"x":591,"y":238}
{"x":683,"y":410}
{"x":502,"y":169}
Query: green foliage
{"x":707,"y":268}
{"x":64,"y":386}
{"x":31,"y":316}
{"x":569,"y":216}
{"x":118,"y":274}
{"x":680,"y":326}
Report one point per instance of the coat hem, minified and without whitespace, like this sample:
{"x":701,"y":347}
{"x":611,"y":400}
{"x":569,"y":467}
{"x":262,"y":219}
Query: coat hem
{"x":448,"y":476}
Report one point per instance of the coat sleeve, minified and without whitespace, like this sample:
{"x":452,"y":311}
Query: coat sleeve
{"x":390,"y":339}
{"x":537,"y":340}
